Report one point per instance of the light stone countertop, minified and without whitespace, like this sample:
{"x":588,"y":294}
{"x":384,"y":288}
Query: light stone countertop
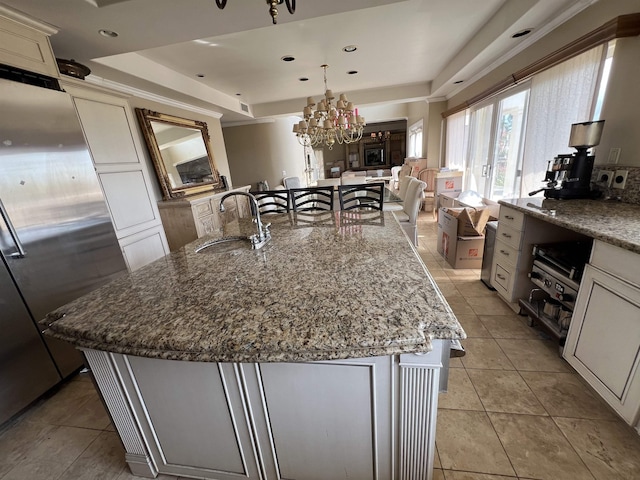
{"x":612,"y":222}
{"x":327,"y":287}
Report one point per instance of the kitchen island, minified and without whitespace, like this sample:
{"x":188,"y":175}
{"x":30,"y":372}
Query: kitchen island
{"x":317,"y":356}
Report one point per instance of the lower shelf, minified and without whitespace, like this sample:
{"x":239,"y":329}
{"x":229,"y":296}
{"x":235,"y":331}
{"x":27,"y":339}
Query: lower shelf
{"x":537,"y":316}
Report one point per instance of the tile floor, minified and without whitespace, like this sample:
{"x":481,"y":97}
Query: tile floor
{"x":514,"y":408}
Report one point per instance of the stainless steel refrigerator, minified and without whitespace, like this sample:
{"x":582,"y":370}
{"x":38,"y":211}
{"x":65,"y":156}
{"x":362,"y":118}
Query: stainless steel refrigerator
{"x":56,"y":237}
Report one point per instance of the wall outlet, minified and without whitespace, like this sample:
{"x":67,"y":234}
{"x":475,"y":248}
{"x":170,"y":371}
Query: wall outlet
{"x":614,"y":155}
{"x":605,"y":177}
{"x":284,"y":173}
{"x":620,"y":178}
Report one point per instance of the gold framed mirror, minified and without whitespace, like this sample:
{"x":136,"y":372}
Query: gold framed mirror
{"x":180,"y":152}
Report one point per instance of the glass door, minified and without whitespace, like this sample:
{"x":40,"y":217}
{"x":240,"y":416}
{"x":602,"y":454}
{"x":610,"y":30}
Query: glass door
{"x":507,"y":151}
{"x":494,"y":169}
{"x":479,"y":166}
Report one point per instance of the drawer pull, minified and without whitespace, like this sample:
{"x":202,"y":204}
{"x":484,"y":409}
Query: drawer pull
{"x":501,"y":277}
{"x":504,"y":252}
{"x":506,"y":235}
{"x":509,"y":217}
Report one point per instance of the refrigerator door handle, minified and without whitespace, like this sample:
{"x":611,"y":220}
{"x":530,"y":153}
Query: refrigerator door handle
{"x":14,"y":234}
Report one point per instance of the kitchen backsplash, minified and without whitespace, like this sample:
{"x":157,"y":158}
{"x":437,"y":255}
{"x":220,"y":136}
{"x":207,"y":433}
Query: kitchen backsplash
{"x":631,"y":192}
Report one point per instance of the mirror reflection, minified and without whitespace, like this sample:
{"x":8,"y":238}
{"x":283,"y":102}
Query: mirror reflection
{"x":180,"y":151}
{"x":183,"y":154}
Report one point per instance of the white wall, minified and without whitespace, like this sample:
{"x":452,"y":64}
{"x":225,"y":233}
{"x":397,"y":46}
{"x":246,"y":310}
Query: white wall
{"x":262,"y":151}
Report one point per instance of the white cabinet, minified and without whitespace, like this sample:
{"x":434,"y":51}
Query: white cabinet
{"x":186,"y":219}
{"x":361,"y":418}
{"x":603,"y":343}
{"x":109,"y":128}
{"x":513,"y":252}
{"x":24,"y":43}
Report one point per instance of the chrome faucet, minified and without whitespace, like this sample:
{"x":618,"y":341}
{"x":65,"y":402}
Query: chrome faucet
{"x":258,"y":240}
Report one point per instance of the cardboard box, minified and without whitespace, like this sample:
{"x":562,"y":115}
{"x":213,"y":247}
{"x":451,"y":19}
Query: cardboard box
{"x":460,"y":251}
{"x":451,"y":200}
{"x":449,"y":181}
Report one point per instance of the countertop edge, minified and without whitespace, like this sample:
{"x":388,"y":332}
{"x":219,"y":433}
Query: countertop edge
{"x":597,"y":234}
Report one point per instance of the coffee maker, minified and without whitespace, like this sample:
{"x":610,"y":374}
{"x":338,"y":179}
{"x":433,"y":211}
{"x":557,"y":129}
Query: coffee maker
{"x":569,"y":176}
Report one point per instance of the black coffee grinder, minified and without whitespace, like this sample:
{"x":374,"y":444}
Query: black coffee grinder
{"x":569,"y":176}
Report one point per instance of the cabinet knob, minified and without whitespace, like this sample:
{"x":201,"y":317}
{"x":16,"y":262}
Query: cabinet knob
{"x":506,"y":235}
{"x":501,"y":277}
{"x":504,"y":252}
{"x":508,"y":217}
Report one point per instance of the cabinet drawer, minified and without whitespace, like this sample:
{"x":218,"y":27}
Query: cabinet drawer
{"x":505,"y":254}
{"x":511,"y":218}
{"x":509,"y":236}
{"x":501,"y":277}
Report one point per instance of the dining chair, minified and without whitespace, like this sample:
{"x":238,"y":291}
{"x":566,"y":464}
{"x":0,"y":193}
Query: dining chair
{"x":369,"y":196}
{"x":403,"y":183}
{"x":395,"y":171}
{"x":291,"y":182}
{"x":408,"y":216}
{"x":311,"y":199}
{"x":272,"y":201}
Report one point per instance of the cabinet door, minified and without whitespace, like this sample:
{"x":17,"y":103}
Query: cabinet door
{"x":27,"y":48}
{"x":207,"y":224}
{"x":603,"y":342}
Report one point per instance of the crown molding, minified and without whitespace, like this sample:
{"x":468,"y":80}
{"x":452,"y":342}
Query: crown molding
{"x":248,"y":122}
{"x":28,"y":20}
{"x":137,"y":92}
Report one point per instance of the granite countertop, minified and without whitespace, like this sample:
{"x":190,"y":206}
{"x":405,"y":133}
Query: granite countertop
{"x":332,"y":286}
{"x":612,"y":222}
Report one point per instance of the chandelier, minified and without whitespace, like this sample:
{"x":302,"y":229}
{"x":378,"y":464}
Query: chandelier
{"x":329,"y":123}
{"x":273,"y":7}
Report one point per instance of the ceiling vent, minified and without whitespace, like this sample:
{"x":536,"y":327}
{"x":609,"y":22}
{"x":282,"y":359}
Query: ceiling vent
{"x":244,"y":107}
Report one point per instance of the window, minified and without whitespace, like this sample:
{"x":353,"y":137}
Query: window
{"x":457,"y":138}
{"x":415,"y":140}
{"x":503,"y":144}
{"x":560,"y":96}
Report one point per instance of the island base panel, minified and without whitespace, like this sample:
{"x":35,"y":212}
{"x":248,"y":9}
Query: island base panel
{"x":355,"y":418}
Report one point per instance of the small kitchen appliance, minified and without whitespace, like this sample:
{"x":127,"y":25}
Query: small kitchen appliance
{"x":556,"y":273}
{"x":569,"y":175}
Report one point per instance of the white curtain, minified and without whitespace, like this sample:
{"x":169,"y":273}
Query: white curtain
{"x":457,"y":141}
{"x":560,"y":96}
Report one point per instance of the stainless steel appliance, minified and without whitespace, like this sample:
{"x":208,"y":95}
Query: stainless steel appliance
{"x":556,"y":272}
{"x":569,"y":176}
{"x":56,"y":237}
{"x":487,"y":255}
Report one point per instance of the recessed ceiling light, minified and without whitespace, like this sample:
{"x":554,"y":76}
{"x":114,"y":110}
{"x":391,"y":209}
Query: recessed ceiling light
{"x":521,"y":33}
{"x":108,"y":33}
{"x":303,"y":79}
{"x":352,"y":72}
{"x":350,"y":48}
{"x":288,"y":58}
{"x":200,"y":75}
{"x":238,"y":94}
{"x":457,"y":82}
